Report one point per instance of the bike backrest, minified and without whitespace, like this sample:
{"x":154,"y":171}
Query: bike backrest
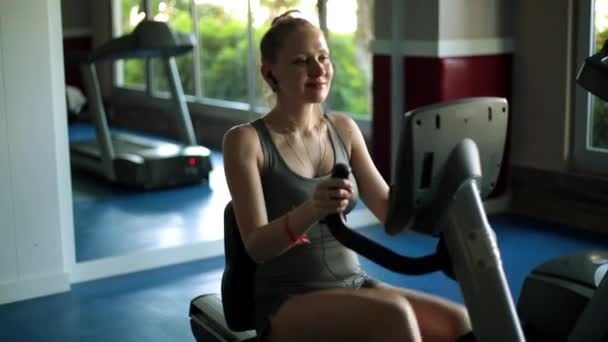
{"x":238,"y":277}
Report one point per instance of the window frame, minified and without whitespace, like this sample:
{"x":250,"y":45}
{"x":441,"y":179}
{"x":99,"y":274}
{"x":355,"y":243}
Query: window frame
{"x":201,"y":107}
{"x":584,"y":157}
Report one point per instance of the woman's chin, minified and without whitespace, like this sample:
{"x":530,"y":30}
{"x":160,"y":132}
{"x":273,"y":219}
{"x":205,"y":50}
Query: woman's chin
{"x":316,"y":96}
{"x":317,"y":100}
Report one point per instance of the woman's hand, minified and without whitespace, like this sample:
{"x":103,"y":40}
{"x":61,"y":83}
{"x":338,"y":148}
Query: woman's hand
{"x":332,"y":196}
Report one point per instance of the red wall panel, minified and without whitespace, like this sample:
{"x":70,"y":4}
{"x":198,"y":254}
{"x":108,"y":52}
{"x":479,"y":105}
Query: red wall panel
{"x":381,"y":107}
{"x":430,"y":80}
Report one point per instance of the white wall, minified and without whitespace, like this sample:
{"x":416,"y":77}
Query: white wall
{"x":433,"y":20}
{"x":542,"y":79}
{"x":36,"y":229}
{"x":445,"y":28}
{"x":8,"y":266}
{"x":420,"y":19}
{"x":475,"y":19}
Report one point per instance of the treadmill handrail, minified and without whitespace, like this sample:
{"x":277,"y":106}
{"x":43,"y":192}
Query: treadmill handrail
{"x":102,"y":130}
{"x":149,"y":39}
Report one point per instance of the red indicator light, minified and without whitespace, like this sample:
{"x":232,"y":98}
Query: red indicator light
{"x":192,"y":161}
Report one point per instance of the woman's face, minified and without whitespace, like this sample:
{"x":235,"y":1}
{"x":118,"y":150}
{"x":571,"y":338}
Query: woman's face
{"x":303,"y":69}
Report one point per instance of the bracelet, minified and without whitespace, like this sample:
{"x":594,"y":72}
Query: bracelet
{"x":288,"y":230}
{"x":295,"y":240}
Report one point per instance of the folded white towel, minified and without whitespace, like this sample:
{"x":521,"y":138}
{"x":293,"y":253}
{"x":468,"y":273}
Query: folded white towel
{"x":76,"y":99}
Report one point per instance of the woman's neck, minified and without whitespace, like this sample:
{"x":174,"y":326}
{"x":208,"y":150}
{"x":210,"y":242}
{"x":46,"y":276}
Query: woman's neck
{"x":301,"y":118}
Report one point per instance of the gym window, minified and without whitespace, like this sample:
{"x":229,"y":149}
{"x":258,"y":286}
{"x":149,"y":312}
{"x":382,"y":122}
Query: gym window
{"x":224,"y":69}
{"x":591,"y":113}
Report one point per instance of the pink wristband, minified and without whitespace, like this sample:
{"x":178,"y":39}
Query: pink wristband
{"x":295,"y":240}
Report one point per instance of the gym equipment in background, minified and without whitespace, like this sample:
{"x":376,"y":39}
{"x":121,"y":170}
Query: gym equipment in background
{"x":566,"y":297}
{"x":593,"y":74}
{"x":563,"y":298}
{"x":137,"y":160}
{"x":231,"y":318}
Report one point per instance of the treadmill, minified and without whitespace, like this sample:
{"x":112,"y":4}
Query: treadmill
{"x":136,"y":160}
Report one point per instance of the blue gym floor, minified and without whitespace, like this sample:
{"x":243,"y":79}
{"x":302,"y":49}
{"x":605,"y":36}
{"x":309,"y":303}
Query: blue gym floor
{"x":146,"y":220}
{"x":143,"y":220}
{"x":153,"y":305}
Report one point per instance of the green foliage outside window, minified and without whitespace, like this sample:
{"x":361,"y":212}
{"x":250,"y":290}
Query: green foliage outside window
{"x":350,"y":88}
{"x":180,"y":22}
{"x":224,"y":54}
{"x":134,"y":68}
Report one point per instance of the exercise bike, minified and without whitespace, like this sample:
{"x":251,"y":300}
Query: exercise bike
{"x":449,"y":159}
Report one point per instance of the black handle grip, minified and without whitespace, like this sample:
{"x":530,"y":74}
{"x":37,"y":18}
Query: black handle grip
{"x":374,"y":251}
{"x":340,"y":171}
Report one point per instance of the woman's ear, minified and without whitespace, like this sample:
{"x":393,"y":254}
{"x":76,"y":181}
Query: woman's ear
{"x":270,"y":78}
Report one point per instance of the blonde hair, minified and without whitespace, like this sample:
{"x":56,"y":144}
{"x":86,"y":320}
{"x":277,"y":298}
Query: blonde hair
{"x":280,"y":28}
{"x":272,"y":41}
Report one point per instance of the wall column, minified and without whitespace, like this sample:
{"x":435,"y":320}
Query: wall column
{"x":450,"y":49}
{"x":36,"y":228}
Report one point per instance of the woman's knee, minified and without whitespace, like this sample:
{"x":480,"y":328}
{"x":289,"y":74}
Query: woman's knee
{"x":462,"y":321}
{"x":394,"y":316}
{"x":436,"y":314}
{"x":394,"y":304}
{"x":370,"y":315}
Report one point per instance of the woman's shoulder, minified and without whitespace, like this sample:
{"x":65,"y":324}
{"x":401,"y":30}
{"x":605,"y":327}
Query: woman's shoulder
{"x":339,"y":118}
{"x":344,"y":124}
{"x":240,"y":136}
{"x":241,"y":131}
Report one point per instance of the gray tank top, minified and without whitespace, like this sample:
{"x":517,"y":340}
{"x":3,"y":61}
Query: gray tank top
{"x":325,"y":262}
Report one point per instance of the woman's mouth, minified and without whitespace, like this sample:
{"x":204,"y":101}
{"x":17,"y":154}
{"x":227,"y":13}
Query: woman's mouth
{"x":316,"y":85}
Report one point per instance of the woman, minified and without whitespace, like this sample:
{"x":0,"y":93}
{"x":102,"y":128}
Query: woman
{"x":309,"y":286}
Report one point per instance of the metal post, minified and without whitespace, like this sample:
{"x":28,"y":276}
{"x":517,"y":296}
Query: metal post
{"x":186,"y":131}
{"x":397,"y":78}
{"x":101,"y":122}
{"x":199,"y":91}
{"x":251,"y":69}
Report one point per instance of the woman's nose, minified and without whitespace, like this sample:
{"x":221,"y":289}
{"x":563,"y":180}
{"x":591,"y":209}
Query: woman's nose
{"x":316,"y":69}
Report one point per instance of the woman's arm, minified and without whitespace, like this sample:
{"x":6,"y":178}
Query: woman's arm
{"x":264,"y":240}
{"x":373,"y":189}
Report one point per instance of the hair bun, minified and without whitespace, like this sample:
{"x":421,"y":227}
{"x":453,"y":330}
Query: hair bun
{"x":290,"y":14}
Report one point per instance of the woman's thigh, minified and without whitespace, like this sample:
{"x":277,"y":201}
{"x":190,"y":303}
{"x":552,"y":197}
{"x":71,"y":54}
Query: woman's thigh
{"x":439,"y":319}
{"x":345,"y":315}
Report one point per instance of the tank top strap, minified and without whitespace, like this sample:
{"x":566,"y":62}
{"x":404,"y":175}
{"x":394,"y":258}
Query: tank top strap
{"x":337,"y":142}
{"x":265,"y":142}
